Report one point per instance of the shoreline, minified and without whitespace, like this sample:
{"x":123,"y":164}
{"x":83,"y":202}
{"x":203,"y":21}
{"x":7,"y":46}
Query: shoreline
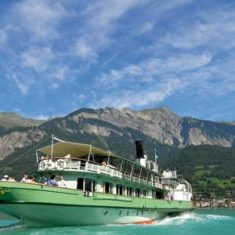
{"x":214,"y":203}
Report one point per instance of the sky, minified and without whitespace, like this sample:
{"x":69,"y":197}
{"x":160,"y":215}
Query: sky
{"x":57,"y":56}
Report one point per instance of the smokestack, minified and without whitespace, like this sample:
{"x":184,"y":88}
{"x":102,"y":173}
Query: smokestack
{"x":140,"y":157}
{"x":139,"y":149}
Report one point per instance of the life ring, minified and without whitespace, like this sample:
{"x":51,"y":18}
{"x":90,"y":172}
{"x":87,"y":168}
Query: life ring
{"x":43,"y":165}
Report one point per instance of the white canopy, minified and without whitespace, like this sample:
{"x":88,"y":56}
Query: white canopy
{"x":76,"y":150}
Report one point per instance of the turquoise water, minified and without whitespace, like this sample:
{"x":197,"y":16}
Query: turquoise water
{"x":199,"y":222}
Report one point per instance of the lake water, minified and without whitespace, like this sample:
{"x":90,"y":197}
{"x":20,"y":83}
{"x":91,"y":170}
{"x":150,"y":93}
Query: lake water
{"x":199,"y":222}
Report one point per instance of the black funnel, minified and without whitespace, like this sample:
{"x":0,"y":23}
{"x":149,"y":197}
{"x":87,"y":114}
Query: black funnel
{"x":139,"y":149}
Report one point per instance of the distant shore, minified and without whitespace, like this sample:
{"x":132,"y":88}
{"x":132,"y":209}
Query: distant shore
{"x":214,"y":203}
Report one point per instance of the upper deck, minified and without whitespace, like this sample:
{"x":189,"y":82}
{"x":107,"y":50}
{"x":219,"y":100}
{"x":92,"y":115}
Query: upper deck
{"x":82,"y":160}
{"x":75,"y":165}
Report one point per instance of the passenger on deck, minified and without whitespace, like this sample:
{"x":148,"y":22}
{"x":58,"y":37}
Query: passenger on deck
{"x":52,"y":181}
{"x":111,"y":166}
{"x":11,"y":179}
{"x":62,"y":183}
{"x":46,"y":158}
{"x":24,"y":178}
{"x":5,"y":178}
{"x":30,"y":179}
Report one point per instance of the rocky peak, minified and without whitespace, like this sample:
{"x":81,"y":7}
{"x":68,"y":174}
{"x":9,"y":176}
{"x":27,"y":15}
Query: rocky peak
{"x":162,"y":125}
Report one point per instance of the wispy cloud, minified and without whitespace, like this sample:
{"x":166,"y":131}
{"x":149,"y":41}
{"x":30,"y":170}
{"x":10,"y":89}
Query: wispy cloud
{"x":37,"y":58}
{"x":135,"y":99}
{"x":23,"y":84}
{"x":153,"y":69}
{"x":151,"y":81}
{"x":215,"y":80}
{"x":61,"y":73}
{"x":31,"y":30}
{"x":101,"y":21}
{"x":215,"y":28}
{"x":40,"y":17}
{"x":146,"y":27}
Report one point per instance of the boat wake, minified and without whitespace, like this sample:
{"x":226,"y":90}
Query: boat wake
{"x":177,"y":220}
{"x":191,"y":217}
{"x":218,"y":217}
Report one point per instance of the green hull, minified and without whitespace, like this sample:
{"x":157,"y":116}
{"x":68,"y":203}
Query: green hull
{"x":39,"y":205}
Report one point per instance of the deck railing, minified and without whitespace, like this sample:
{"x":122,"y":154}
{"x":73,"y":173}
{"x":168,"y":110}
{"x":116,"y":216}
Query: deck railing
{"x":77,"y":165}
{"x":103,"y":169}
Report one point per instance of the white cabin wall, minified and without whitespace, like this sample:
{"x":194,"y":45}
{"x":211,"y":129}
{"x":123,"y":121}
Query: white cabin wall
{"x":71,"y":182}
{"x":99,"y":186}
{"x":114,"y":188}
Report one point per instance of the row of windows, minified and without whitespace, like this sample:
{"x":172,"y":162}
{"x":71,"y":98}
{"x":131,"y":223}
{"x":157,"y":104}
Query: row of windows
{"x":89,"y":185}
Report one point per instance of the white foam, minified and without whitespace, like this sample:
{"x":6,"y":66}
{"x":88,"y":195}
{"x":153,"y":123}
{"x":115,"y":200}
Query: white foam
{"x":218,"y":217}
{"x":179,"y":219}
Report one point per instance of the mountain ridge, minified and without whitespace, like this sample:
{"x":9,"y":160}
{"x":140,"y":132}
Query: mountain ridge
{"x":161,"y":125}
{"x":12,"y":119}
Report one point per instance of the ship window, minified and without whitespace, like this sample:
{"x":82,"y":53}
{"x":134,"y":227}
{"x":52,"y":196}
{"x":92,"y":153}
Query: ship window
{"x":80,"y":183}
{"x":154,"y":195}
{"x":129,"y":191}
{"x":94,"y":186}
{"x":159,"y":194}
{"x":119,"y":189}
{"x":144,"y":193}
{"x":90,"y":185}
{"x":137,"y":192}
{"x":108,"y":187}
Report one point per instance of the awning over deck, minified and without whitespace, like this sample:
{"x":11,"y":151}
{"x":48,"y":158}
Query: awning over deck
{"x":63,"y":149}
{"x":76,"y":150}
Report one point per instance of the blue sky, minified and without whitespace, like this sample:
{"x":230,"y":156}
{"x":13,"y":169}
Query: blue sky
{"x":57,"y":56}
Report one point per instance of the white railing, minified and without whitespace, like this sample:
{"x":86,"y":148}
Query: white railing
{"x":68,"y":164}
{"x":103,"y":169}
{"x":75,"y":165}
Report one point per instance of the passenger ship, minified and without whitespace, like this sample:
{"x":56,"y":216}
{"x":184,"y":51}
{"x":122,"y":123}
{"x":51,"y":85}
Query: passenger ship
{"x":101,"y":188}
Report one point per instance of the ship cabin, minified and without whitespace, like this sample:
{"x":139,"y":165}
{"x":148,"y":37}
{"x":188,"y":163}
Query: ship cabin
{"x":96,"y":171}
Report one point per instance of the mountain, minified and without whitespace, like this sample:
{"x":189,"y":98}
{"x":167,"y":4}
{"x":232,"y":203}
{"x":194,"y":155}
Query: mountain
{"x":9,"y":120}
{"x":176,"y":138}
{"x":110,"y":128}
{"x":161,"y":125}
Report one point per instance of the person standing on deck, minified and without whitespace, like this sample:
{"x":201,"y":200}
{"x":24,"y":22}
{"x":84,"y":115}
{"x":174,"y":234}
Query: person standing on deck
{"x":52,"y":181}
{"x":5,"y":178}
{"x":62,"y":183}
{"x":25,"y":177}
